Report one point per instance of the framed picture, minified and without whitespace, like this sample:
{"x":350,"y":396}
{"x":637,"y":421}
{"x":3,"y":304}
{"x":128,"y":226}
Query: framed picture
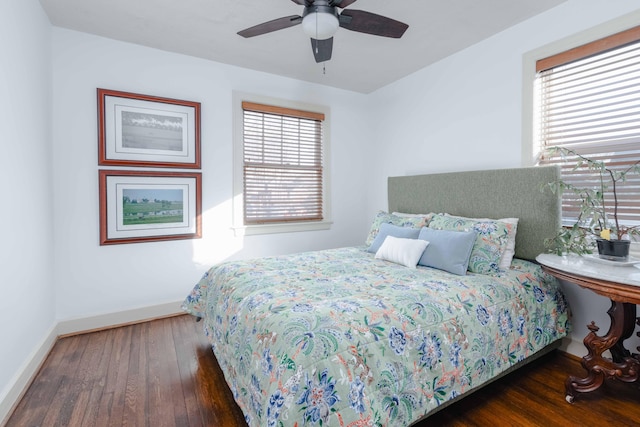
{"x":142,"y":130}
{"x":145,"y":206}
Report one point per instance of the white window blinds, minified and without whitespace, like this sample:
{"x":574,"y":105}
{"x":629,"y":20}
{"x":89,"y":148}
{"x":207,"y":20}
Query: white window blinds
{"x":589,"y":102}
{"x":282,"y":164}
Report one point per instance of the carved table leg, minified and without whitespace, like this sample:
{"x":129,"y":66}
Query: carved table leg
{"x":618,"y":351}
{"x":621,"y":366}
{"x":637,"y":355}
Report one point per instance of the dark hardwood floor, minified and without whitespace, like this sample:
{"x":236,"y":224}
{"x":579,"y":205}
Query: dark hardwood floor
{"x":163,"y":373}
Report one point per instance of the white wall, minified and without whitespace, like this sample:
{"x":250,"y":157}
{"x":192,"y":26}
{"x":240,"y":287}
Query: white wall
{"x":462,"y":113}
{"x":465,"y":113}
{"x":93,"y":279}
{"x":26,"y":250}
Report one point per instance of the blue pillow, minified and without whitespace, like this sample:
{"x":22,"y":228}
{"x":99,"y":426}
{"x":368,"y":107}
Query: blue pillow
{"x":392,"y":230}
{"x":447,"y":250}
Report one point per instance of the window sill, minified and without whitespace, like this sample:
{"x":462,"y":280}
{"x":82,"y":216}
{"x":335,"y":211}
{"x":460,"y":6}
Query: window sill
{"x":250,"y":230}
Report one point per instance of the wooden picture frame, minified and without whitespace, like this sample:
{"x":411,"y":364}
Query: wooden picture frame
{"x":147,"y":131}
{"x":146,"y":206}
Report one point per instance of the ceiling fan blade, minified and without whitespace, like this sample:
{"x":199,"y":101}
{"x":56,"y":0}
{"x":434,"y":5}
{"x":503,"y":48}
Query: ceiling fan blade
{"x":275,"y":25}
{"x":303,"y":2}
{"x":342,"y":3}
{"x":370,"y":23}
{"x":322,"y":49}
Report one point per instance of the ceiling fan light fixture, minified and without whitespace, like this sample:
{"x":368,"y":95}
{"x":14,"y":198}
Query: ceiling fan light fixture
{"x":320,"y":25}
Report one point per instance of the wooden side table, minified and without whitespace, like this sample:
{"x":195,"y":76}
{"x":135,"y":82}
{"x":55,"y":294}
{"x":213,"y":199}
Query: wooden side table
{"x":621,"y":284}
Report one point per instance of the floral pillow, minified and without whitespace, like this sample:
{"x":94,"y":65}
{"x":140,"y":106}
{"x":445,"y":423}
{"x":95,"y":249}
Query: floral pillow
{"x":491,"y":241}
{"x":510,"y":251}
{"x":401,"y":221}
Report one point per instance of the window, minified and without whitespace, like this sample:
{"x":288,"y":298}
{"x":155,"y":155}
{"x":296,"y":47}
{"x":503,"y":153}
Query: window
{"x":588,"y":100}
{"x":281,"y":167}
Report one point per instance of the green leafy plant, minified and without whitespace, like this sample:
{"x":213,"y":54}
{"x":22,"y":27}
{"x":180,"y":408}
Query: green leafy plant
{"x":595,"y":215}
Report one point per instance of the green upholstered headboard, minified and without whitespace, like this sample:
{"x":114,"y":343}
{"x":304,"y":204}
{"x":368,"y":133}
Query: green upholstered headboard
{"x":498,"y":193}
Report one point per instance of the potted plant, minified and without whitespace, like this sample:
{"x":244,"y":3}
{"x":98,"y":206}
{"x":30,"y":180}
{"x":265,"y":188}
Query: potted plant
{"x":597,"y":222}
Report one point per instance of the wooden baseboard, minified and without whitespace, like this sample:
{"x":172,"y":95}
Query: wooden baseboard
{"x":100,"y":322}
{"x":23,"y":378}
{"x":25,"y":375}
{"x":573,"y":347}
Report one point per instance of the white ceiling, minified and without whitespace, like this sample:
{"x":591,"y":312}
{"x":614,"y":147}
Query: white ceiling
{"x":360,"y":62}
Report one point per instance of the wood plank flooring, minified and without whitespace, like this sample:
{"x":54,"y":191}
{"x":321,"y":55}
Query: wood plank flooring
{"x":163,"y":373}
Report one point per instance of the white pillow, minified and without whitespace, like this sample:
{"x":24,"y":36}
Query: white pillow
{"x":510,"y":250}
{"x":402,"y":251}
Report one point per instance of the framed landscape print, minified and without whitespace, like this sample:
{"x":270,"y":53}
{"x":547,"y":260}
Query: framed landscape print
{"x":143,"y":130}
{"x":145,"y":206}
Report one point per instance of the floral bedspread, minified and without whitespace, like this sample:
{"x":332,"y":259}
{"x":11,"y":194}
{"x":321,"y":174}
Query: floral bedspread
{"x":337,"y":337}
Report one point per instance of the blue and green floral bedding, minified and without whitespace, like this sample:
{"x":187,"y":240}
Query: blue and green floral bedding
{"x":337,"y":337}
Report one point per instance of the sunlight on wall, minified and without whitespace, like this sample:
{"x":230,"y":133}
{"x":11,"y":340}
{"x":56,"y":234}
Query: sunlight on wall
{"x":218,"y":241}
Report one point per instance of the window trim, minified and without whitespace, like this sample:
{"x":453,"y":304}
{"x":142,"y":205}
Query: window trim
{"x":240,"y":229}
{"x":529,"y":152}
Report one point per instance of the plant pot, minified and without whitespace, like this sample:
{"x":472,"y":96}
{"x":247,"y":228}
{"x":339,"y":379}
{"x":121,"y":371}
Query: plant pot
{"x":613,"y":250}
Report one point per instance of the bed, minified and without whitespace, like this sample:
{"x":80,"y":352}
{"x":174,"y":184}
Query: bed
{"x":346,"y":337}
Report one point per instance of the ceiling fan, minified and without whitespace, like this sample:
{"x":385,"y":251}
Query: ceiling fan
{"x":320,"y":20}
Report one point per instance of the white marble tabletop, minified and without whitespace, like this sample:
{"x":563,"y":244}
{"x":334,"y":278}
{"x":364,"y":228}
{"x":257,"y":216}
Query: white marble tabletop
{"x":590,"y":266}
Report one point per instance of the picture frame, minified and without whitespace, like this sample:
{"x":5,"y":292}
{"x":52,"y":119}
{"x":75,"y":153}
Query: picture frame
{"x":149,"y":206}
{"x":147,"y":131}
